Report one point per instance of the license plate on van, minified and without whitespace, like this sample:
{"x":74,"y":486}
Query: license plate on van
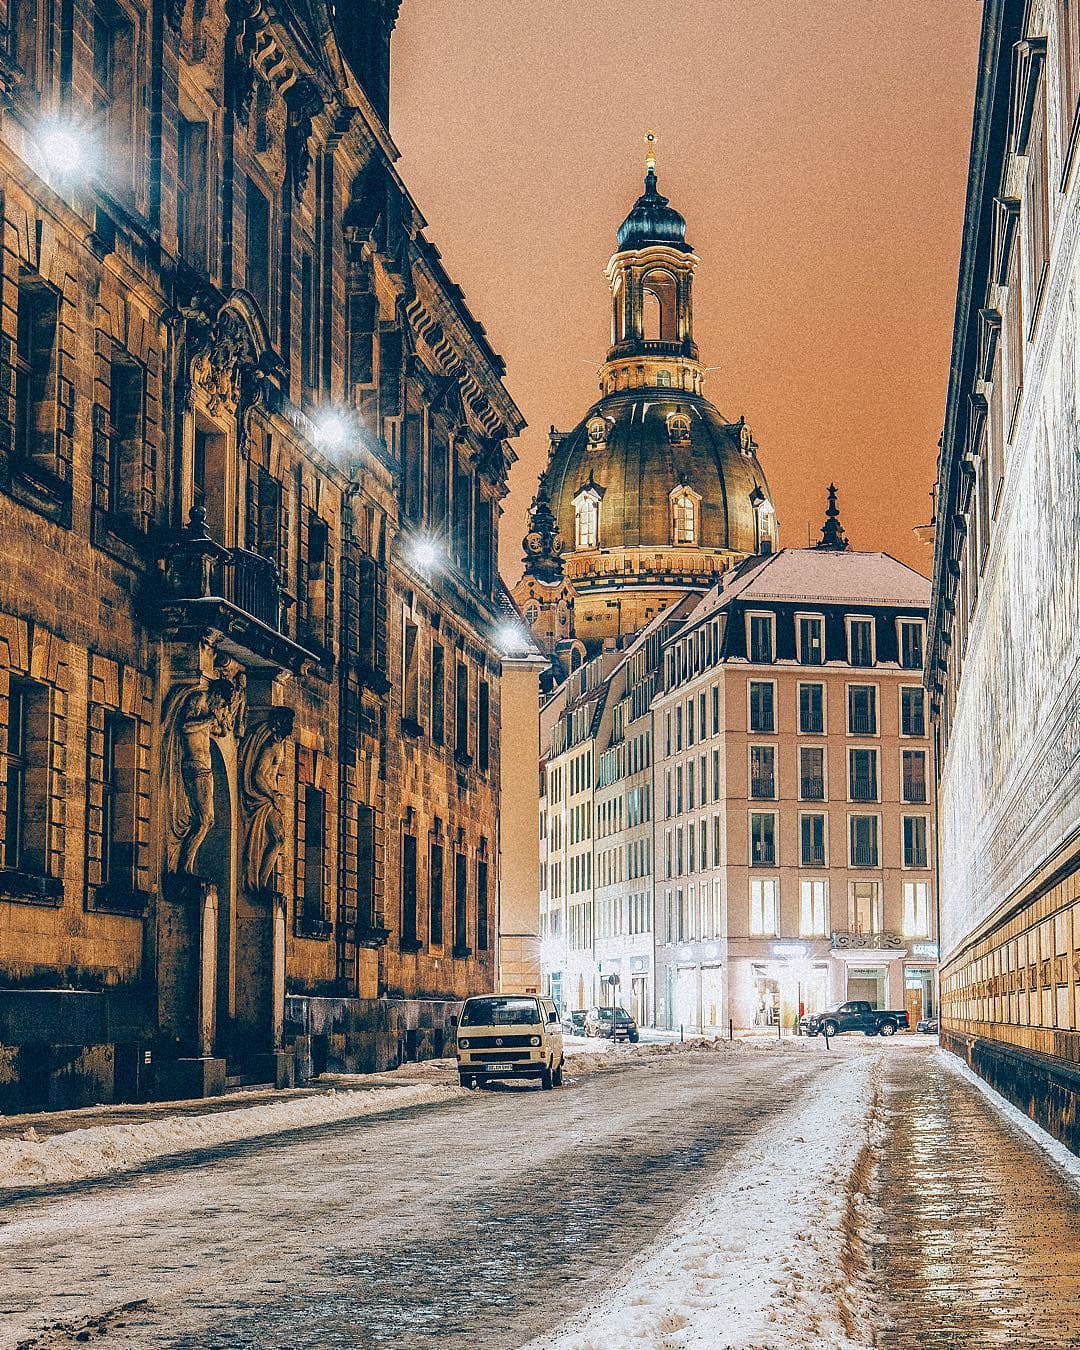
{"x":498,"y":1068}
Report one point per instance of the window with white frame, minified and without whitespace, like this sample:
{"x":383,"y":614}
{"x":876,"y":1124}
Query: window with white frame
{"x":764,"y":906}
{"x":912,"y":711}
{"x":762,"y":705}
{"x":760,"y":644}
{"x":911,"y":644}
{"x":811,"y":639}
{"x":812,"y":840}
{"x":867,"y":911}
{"x":587,"y":519}
{"x":684,"y":509}
{"x":916,"y":909}
{"x":915,"y":849}
{"x":813,"y":908}
{"x":864,"y":841}
{"x":860,"y":642}
{"x":812,"y":773}
{"x":811,"y":709}
{"x":762,"y":838}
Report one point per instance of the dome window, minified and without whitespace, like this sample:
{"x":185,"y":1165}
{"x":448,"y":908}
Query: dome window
{"x":663,"y":379}
{"x":587,"y":518}
{"x":598,"y":429}
{"x":685,"y":504}
{"x":678,"y":426}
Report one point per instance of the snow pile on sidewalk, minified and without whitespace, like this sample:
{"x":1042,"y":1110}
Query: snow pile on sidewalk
{"x":591,"y":1056}
{"x":102,"y":1150}
{"x":757,"y":1261}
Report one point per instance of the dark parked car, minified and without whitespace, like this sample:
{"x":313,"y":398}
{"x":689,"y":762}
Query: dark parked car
{"x":598,"y":1023}
{"x":929,"y":1025}
{"x":573,"y":1023}
{"x":857,"y":1015}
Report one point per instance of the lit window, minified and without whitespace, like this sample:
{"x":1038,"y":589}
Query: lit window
{"x":916,"y":909}
{"x":683,"y":517}
{"x":764,"y":907}
{"x":587,"y":520}
{"x":813,"y":919}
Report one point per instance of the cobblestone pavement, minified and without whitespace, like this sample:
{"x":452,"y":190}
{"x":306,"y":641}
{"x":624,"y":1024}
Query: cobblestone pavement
{"x":981,"y":1231}
{"x":498,"y":1214}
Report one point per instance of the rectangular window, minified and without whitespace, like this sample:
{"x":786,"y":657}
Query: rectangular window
{"x":864,"y":841}
{"x":461,"y":905}
{"x":762,"y":771}
{"x":1068,"y":72}
{"x":911,"y":645}
{"x":761,"y":638}
{"x":914,"y":775}
{"x":861,"y":642}
{"x":915,"y":854}
{"x":762,"y":839}
{"x":268,"y":516}
{"x":438,"y":693}
{"x":118,"y":803}
{"x":36,"y":390}
{"x":317,"y":609}
{"x":408,"y":890}
{"x":435,"y":895}
{"x":812,"y":832}
{"x":866,"y":909}
{"x":116,"y":83}
{"x":314,"y":852}
{"x":812,"y":773}
{"x":481,"y":905}
{"x":716,"y":775}
{"x":912,"y":711}
{"x":1036,"y":203}
{"x":483,"y":725}
{"x":811,"y":640}
{"x":257,"y":246}
{"x":28,"y":759}
{"x":461,"y":711}
{"x":193,"y":194}
{"x":862,"y":710}
{"x":764,"y":906}
{"x":410,"y":673}
{"x":366,"y":871}
{"x":862,"y":775}
{"x":916,"y":909}
{"x":716,"y":710}
{"x":309,"y":333}
{"x":762,"y":711}
{"x":811,"y":709}
{"x":813,"y":915}
{"x":127,"y":430}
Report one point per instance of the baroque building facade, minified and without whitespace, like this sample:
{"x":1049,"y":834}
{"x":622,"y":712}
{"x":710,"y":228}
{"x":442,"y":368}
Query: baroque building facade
{"x":653,"y":494}
{"x":1003,"y":672}
{"x":252,"y":450}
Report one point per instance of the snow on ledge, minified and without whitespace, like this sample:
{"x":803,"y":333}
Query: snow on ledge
{"x":103,"y":1150}
{"x":756,"y":1261}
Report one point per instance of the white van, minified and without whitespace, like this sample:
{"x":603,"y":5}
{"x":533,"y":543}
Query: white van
{"x":509,"y":1036}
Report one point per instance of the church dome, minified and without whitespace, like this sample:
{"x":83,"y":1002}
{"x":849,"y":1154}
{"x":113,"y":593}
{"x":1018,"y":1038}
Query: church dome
{"x":637,"y":454}
{"x":653,"y":221}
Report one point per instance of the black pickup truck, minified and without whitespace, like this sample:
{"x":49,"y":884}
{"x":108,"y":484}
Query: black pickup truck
{"x":857,"y":1015}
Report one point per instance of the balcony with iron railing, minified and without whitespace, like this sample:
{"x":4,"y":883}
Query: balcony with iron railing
{"x":812,"y":788}
{"x":914,"y":788}
{"x":862,"y":722}
{"x":762,"y":853}
{"x":763,"y":785}
{"x":915,"y":856}
{"x":233,"y":590}
{"x":864,"y":787}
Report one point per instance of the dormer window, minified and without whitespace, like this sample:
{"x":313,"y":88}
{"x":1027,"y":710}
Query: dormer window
{"x":684,"y":516}
{"x":587,"y":518}
{"x":678,"y":426}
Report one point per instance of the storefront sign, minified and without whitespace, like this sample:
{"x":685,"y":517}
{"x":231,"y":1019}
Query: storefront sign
{"x":867,"y":942}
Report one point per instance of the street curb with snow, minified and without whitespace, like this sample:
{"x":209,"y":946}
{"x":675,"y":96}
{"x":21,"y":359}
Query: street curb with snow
{"x":105,"y":1150}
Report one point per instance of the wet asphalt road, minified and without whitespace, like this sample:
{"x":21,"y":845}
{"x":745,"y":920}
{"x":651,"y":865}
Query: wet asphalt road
{"x":485,"y":1220}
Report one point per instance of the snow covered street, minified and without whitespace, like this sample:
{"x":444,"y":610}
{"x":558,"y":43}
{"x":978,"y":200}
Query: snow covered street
{"x":668,"y":1196}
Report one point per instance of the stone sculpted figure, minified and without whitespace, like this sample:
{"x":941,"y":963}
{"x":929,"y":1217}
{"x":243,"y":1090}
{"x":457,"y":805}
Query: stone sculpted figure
{"x":192,"y":716}
{"x":260,"y":767}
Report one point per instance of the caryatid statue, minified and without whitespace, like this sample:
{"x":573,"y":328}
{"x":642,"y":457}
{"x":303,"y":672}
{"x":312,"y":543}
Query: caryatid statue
{"x":261,"y":758}
{"x":193,"y":714}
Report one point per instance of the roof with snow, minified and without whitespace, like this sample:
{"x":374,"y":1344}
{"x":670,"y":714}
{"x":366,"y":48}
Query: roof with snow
{"x":821,"y":576}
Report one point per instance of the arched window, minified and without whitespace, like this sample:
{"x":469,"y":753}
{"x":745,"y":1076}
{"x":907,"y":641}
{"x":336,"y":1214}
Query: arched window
{"x":683,"y":516}
{"x":650,"y":316}
{"x":660,"y":307}
{"x":663,"y":379}
{"x":586,"y":519}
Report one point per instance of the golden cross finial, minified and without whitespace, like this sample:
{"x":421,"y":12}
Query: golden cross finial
{"x":650,"y":152}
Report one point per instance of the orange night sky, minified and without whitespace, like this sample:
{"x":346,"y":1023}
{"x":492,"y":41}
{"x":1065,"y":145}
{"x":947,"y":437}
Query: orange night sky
{"x":818,"y":150}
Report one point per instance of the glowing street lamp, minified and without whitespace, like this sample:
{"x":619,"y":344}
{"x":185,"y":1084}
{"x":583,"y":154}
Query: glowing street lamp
{"x":331,"y":431}
{"x":511,"y":639}
{"x":425,"y":554}
{"x":66,"y":149}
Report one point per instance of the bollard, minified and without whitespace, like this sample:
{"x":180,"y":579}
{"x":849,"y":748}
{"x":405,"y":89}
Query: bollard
{"x":778,"y":1028}
{"x":680,"y":1034}
{"x":730,"y":1030}
{"x":826,"y":1031}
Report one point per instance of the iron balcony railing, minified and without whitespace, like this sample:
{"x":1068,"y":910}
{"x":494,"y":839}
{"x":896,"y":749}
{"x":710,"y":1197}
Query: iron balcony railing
{"x":862,"y":722}
{"x":914,"y":788}
{"x":864,"y":788}
{"x":812,"y":789}
{"x":915,"y":857}
{"x":251,"y":583}
{"x":762,"y":785}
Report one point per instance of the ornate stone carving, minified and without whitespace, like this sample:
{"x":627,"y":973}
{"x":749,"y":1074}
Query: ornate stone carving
{"x":543,"y":544}
{"x":261,"y":758}
{"x":245,"y":16}
{"x":194,"y":713}
{"x":304,"y":103}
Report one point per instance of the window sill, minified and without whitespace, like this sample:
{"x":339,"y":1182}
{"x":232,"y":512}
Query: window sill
{"x":316,"y":929}
{"x":31,"y":887}
{"x":118,"y":900}
{"x":39,"y":488}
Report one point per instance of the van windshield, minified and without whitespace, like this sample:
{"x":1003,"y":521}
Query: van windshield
{"x":499,"y":1012}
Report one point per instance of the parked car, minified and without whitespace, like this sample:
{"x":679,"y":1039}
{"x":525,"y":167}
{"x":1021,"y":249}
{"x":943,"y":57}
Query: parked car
{"x":857,"y":1015}
{"x":598,"y":1023}
{"x":509,"y":1036}
{"x":929,"y":1025}
{"x":573,"y":1022}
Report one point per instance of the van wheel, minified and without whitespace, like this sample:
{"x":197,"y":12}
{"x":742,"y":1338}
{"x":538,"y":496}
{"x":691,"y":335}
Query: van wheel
{"x":556,"y":1076}
{"x":546,"y":1079}
{"x":466,"y":1080}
